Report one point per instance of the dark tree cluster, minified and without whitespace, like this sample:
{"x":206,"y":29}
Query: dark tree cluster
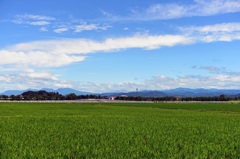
{"x":169,"y":98}
{"x":44,"y":95}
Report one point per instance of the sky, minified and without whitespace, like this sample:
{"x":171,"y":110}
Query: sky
{"x":110,"y":45}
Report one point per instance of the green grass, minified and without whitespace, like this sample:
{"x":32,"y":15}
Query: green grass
{"x":119,"y":130}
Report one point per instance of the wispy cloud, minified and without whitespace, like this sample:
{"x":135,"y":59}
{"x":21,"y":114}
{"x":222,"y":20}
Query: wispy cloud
{"x":56,"y":53}
{"x":43,"y":29}
{"x":222,"y":28}
{"x":87,"y":27}
{"x":56,"y":25}
{"x":160,"y":11}
{"x":77,"y":28}
{"x":60,"y":30}
{"x":33,"y":19}
{"x":199,"y":8}
{"x":217,"y":32}
{"x":39,"y":23}
{"x":61,"y":52}
{"x":217,"y":70}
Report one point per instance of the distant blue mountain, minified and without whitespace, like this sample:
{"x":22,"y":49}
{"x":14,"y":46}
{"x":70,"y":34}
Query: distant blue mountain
{"x":187,"y":92}
{"x":12,"y":92}
{"x":63,"y":91}
{"x":180,"y":92}
{"x":48,"y":89}
{"x":15,"y":92}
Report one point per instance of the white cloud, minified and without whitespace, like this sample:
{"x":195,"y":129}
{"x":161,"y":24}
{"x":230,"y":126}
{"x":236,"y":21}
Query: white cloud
{"x":39,"y":23}
{"x":79,"y":27}
{"x":218,"y":70}
{"x":56,"y":25}
{"x":212,"y":7}
{"x":162,"y":83}
{"x":30,"y":19}
{"x":57,"y":53}
{"x":37,"y":58}
{"x":30,"y":73}
{"x":60,"y":30}
{"x":217,"y":81}
{"x":210,"y":33}
{"x":217,"y":28}
{"x":83,"y":46}
{"x":62,"y":52}
{"x":54,"y":53}
{"x":165,"y":11}
{"x":88,"y":27}
{"x":84,"y":27}
{"x":43,"y":29}
{"x":38,"y":80}
{"x":35,"y":17}
{"x":28,"y":79}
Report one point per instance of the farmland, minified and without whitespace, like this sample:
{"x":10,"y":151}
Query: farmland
{"x":119,"y":130}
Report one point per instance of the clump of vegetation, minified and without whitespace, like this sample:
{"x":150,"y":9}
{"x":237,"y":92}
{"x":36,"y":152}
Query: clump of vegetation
{"x":118,"y":130}
{"x":44,"y":95}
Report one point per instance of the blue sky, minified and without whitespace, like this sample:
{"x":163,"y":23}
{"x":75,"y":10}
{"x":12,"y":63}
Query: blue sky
{"x":110,"y":45}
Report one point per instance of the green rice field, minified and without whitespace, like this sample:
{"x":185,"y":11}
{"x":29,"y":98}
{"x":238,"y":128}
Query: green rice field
{"x":119,"y":130}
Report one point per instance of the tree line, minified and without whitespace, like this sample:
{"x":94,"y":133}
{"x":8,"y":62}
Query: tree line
{"x":44,"y":95}
{"x":169,"y":98}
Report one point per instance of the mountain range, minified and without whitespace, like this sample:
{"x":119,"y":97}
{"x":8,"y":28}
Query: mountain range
{"x":182,"y":92}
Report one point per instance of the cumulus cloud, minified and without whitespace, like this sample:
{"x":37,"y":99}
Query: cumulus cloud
{"x":197,"y":81}
{"x":162,"y":83}
{"x":165,"y":82}
{"x":28,"y":78}
{"x":30,"y":73}
{"x":33,"y":79}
